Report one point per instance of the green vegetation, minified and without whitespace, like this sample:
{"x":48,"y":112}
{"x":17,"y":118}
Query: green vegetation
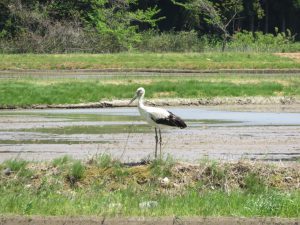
{"x":18,"y":167}
{"x":204,"y":61}
{"x":105,"y":187}
{"x":96,"y":129}
{"x":103,"y":26}
{"x":77,"y":171}
{"x":26,"y":92}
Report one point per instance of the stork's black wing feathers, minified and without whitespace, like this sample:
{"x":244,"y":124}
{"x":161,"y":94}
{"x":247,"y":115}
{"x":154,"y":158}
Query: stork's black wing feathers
{"x":171,"y":120}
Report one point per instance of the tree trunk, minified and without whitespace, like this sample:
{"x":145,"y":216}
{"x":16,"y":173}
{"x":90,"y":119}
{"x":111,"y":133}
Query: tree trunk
{"x":224,"y":42}
{"x":267,"y":17}
{"x":283,"y":23}
{"x":252,"y":23}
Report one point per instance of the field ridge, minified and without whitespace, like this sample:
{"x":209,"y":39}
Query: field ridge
{"x":51,"y":220}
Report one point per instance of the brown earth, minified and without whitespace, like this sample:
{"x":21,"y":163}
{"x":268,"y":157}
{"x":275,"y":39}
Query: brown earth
{"x":291,"y":102}
{"x":37,"y":220}
{"x":294,"y":55}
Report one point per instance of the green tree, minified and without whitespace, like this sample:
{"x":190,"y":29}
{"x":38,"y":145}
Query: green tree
{"x":219,"y":14}
{"x":116,"y":19}
{"x":253,"y":9}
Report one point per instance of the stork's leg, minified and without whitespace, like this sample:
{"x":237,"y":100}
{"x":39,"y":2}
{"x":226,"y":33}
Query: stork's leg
{"x":156,"y":141}
{"x":160,"y":140}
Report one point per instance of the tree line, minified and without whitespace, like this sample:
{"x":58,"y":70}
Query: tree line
{"x":121,"y":24}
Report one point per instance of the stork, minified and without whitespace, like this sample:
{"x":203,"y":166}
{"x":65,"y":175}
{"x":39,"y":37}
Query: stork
{"x":156,"y":117}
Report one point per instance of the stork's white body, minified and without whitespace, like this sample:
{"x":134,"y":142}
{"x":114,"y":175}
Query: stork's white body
{"x":150,"y":113}
{"x":157,"y":117}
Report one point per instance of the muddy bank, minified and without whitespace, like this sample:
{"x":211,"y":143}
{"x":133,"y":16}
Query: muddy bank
{"x":37,"y":220}
{"x":292,"y":102}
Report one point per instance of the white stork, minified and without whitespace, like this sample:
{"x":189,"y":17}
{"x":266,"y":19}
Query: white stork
{"x":156,"y":117}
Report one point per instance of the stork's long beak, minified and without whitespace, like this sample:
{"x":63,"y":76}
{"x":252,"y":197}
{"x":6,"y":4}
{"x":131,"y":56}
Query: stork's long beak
{"x":132,"y":99}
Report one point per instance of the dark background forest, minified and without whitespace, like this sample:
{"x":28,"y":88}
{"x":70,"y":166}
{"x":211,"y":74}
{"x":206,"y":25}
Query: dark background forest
{"x":50,"y":26}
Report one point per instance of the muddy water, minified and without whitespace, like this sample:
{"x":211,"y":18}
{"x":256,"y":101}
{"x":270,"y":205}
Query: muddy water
{"x":211,"y":133}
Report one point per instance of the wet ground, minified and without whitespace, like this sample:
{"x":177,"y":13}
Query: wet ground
{"x":213,"y":132}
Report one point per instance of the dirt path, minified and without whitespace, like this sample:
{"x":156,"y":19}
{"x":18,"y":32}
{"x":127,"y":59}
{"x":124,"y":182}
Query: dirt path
{"x":35,"y":220}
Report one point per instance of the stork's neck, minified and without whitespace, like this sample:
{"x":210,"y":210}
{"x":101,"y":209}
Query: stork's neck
{"x":141,"y":102}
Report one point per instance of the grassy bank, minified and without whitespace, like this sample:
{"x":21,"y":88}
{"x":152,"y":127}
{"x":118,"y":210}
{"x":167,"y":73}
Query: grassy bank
{"x":26,"y":92}
{"x":205,"y":61}
{"x":105,"y":187}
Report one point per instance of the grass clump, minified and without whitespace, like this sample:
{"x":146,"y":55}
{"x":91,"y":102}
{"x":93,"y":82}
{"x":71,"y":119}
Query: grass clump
{"x":18,"y":167}
{"x":61,"y":161}
{"x":162,"y":167}
{"x":77,"y":170}
{"x":106,"y":161}
{"x":254,"y":184}
{"x":15,"y":164}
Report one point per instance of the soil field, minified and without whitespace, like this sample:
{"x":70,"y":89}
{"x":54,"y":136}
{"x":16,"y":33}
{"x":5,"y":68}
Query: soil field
{"x":18,"y":220}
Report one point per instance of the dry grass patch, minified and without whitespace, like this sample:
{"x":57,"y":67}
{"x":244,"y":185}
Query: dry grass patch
{"x":291,"y":55}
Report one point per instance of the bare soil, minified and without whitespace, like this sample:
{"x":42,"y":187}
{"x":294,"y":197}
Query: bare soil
{"x":36,"y":220}
{"x":294,"y":55}
{"x":291,"y":102}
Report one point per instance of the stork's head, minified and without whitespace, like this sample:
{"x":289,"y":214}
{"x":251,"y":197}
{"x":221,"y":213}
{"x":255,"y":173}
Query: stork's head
{"x":138,"y":94}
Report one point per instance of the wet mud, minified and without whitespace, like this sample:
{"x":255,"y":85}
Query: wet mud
{"x":229,"y":134}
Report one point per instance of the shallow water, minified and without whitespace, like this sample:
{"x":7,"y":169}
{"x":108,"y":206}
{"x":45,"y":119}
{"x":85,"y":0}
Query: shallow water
{"x":211,"y":133}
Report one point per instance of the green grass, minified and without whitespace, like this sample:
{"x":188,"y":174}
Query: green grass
{"x":107,"y":129}
{"x":191,"y":203}
{"x":213,"y":60}
{"x":105,"y":187}
{"x":26,"y":92}
{"x":77,"y":170}
{"x":15,"y":165}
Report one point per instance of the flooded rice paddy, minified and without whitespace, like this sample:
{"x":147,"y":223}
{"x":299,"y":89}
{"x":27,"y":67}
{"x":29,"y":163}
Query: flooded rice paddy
{"x":211,"y":133}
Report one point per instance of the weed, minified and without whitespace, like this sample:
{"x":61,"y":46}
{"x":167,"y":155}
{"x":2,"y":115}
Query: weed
{"x":15,"y":164}
{"x":162,"y":167}
{"x":254,"y":184}
{"x":76,"y":172}
{"x":61,"y":161}
{"x":18,"y":166}
{"x":106,"y":161}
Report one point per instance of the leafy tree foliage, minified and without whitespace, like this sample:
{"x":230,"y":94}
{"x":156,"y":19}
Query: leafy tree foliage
{"x":122,"y":23}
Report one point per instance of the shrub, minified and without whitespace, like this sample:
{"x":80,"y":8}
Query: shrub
{"x":171,"y":42}
{"x":259,"y":42}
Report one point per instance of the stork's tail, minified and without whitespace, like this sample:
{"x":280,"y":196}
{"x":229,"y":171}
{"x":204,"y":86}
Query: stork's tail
{"x":178,"y":122}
